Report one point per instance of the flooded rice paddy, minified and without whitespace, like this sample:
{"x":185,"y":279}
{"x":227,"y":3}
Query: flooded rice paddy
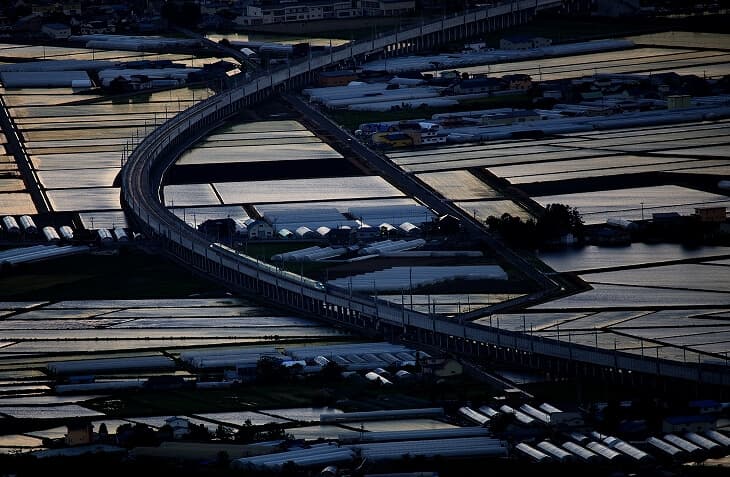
{"x":290,"y":190}
{"x":306,"y":190}
{"x":545,"y":164}
{"x":458,"y":185}
{"x":640,"y":60}
{"x":533,"y":154}
{"x":594,"y":257}
{"x":245,"y":143}
{"x":483,"y":209}
{"x":702,"y":54}
{"x":675,"y":311}
{"x":77,"y":141}
{"x":668,"y":301}
{"x":636,"y":203}
{"x":77,"y":150}
{"x":96,"y":326}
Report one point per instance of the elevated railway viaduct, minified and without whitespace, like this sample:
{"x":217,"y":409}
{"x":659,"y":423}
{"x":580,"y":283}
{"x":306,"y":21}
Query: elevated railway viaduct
{"x":142,"y":198}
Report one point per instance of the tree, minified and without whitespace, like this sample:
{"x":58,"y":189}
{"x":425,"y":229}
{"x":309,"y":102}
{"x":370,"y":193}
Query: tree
{"x":166,"y":433}
{"x":198,"y":432}
{"x":186,"y":14}
{"x":514,"y":230}
{"x":332,"y":371}
{"x":270,"y":370}
{"x":246,"y":433}
{"x":557,"y":221}
{"x":223,"y":433}
{"x":136,"y":435}
{"x":275,"y":432}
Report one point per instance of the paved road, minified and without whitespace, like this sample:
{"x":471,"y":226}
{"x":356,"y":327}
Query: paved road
{"x":15,"y":147}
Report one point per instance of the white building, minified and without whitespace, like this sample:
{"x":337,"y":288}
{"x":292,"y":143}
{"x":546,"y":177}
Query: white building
{"x":57,"y":31}
{"x":298,"y":11}
{"x":391,"y":8}
{"x":250,"y":15}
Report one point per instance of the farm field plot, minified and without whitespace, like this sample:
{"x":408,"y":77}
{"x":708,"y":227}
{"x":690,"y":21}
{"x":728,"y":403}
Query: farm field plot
{"x":676,"y":311}
{"x":637,"y":60}
{"x":636,"y":203}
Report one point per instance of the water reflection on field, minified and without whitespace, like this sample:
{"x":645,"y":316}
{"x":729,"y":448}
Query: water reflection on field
{"x":594,"y":257}
{"x":76,"y":142}
{"x":130,"y":324}
{"x":677,"y":311}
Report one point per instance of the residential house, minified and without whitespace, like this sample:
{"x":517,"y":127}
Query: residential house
{"x":336,"y":78}
{"x":688,"y":423}
{"x":394,"y":8}
{"x":394,"y":139}
{"x":225,"y":230}
{"x":441,"y":367}
{"x":477,"y":85}
{"x":180,"y":426}
{"x":79,"y":433}
{"x":71,"y":9}
{"x":250,"y":15}
{"x":97,"y":27}
{"x":423,"y":132}
{"x":509,"y":117}
{"x":261,"y":229}
{"x":522,"y":42}
{"x":67,"y":8}
{"x":57,"y":31}
{"x":705,"y":406}
{"x":518,"y":81}
{"x":298,"y":11}
{"x":345,"y":236}
{"x":448,"y":224}
{"x":711,"y":214}
{"x":366,"y":233}
{"x":678,"y":101}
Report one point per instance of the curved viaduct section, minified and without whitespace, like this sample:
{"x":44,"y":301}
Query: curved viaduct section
{"x":141,"y":196}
